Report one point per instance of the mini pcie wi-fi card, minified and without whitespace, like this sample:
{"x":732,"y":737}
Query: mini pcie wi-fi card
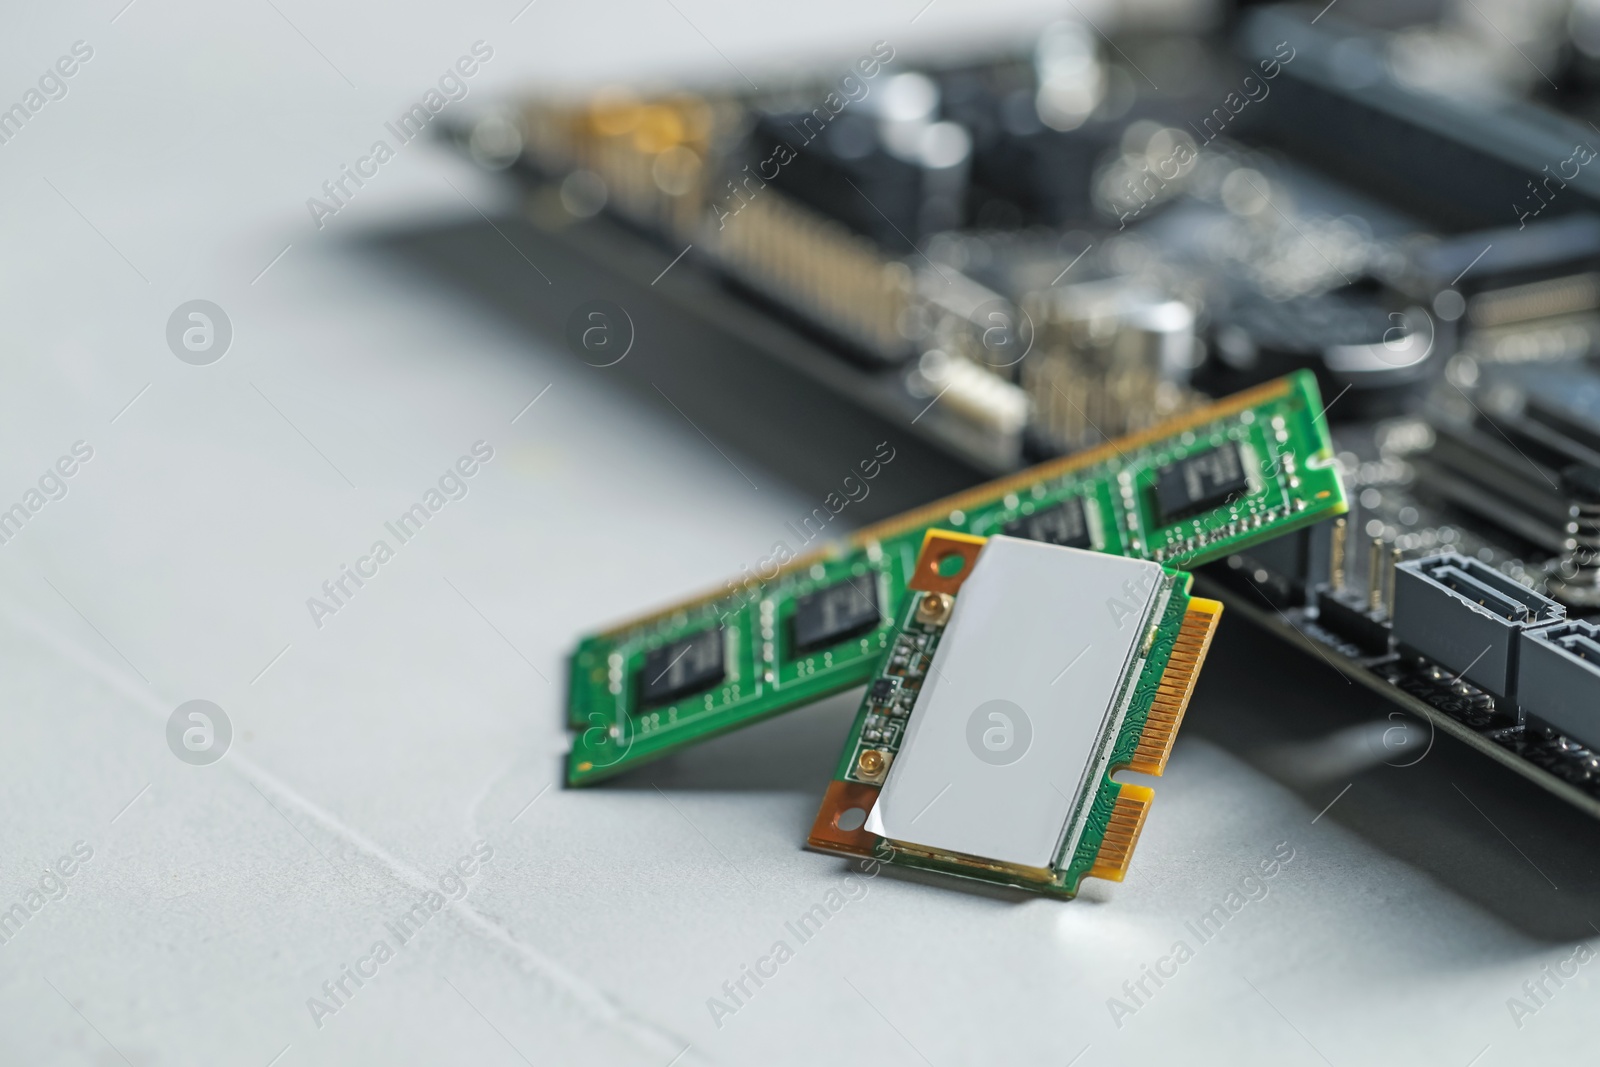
{"x":1022,"y":676}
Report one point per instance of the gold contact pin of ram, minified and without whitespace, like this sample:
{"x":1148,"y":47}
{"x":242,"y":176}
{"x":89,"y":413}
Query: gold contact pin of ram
{"x":1122,"y":832}
{"x":1176,"y":687}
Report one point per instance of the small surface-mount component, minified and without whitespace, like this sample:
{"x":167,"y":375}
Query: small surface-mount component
{"x":1000,"y":773}
{"x":683,"y":667}
{"x":841,"y":610}
{"x":882,"y":691}
{"x":1466,"y":616}
{"x":1558,"y":685}
{"x":1064,"y":525}
{"x":1200,"y":482}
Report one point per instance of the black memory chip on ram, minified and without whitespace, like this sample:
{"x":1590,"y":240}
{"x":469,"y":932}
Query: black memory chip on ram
{"x":1200,"y":483}
{"x":830,"y":615}
{"x":682,"y":667}
{"x":1063,"y":525}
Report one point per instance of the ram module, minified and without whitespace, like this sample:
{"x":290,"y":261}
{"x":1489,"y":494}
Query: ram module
{"x":1197,"y":488}
{"x":1023,"y":677}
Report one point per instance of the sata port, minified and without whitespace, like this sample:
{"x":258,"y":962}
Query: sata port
{"x":1559,"y":680}
{"x":1467,"y":617}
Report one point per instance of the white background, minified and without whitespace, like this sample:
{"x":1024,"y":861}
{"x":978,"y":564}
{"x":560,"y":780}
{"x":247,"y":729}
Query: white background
{"x":423,"y":718}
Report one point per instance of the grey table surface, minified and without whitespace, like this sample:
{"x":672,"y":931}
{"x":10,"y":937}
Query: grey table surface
{"x":421,"y":723}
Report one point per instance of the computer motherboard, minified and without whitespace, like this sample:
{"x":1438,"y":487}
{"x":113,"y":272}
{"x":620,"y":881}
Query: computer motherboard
{"x":1024,"y":255}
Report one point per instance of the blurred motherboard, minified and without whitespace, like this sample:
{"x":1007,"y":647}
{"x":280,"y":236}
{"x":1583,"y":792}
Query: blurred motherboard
{"x":1022,"y":255}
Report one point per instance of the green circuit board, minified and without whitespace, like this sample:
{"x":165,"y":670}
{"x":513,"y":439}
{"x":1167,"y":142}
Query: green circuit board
{"x":737,"y":650}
